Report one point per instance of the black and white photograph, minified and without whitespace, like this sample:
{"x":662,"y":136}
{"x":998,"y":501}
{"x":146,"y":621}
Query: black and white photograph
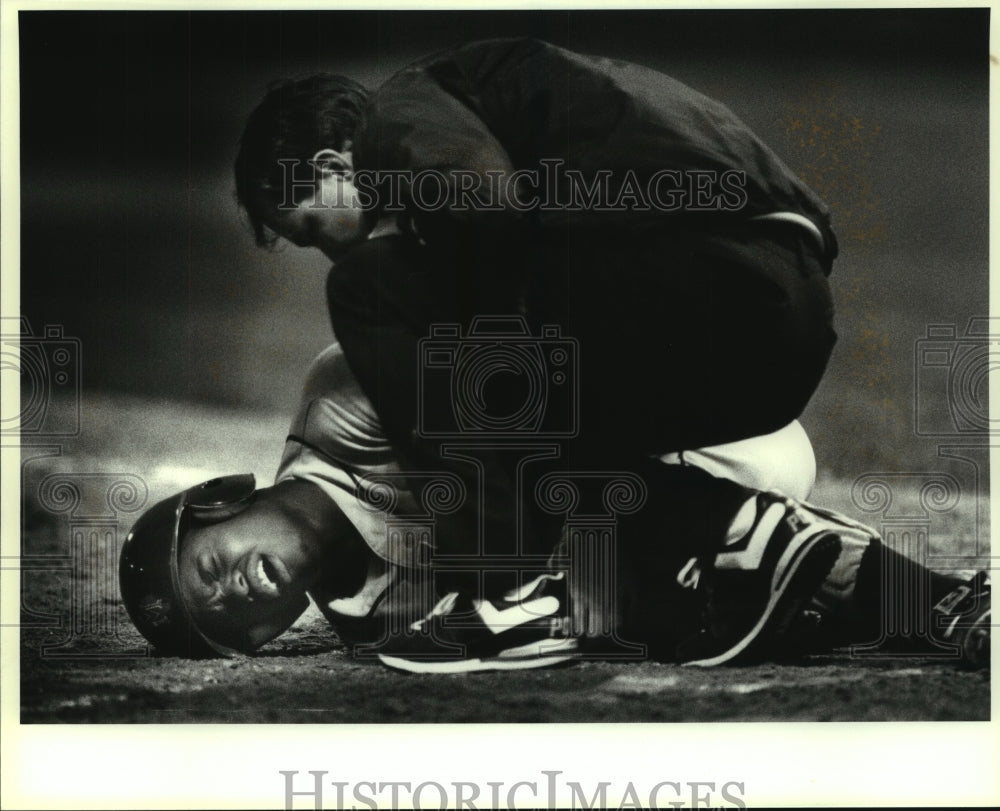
{"x":409,"y":373}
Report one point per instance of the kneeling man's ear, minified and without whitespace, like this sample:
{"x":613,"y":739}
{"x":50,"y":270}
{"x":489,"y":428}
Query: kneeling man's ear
{"x":332,"y":162}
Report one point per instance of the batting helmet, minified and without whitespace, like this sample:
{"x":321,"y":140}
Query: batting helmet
{"x":148,"y":574}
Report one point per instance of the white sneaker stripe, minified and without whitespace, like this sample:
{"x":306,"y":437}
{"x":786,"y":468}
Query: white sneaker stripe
{"x":518,"y":594}
{"x":750,"y":557}
{"x":794,"y":545}
{"x":500,"y":621}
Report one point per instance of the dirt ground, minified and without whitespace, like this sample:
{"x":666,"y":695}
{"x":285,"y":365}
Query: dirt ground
{"x":82,"y":662}
{"x":306,"y":679}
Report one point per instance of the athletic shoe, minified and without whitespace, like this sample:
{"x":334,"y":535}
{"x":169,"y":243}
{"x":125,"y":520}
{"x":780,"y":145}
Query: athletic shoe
{"x":522,"y":630}
{"x":963,"y":618}
{"x":776,"y":557}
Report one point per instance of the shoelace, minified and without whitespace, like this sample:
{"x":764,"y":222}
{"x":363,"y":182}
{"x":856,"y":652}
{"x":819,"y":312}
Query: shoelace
{"x":689,"y":576}
{"x":441,"y":608}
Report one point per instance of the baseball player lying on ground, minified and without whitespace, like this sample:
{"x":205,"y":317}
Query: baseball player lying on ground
{"x":224,"y":567}
{"x":722,"y":283}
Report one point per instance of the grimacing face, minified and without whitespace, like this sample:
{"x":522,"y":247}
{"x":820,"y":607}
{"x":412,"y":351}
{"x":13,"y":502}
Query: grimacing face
{"x":245,"y":580}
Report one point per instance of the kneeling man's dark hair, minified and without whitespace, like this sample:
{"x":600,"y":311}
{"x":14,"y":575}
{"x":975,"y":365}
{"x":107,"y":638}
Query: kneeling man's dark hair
{"x":296,"y":119}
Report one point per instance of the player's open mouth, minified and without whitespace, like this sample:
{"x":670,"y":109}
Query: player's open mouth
{"x":266,"y":575}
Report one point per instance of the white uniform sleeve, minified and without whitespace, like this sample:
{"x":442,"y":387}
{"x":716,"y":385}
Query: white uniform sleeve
{"x":336,"y":442}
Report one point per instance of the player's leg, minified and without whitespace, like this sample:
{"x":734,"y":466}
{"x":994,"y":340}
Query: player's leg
{"x":728,"y":567}
{"x":692,"y":338}
{"x":888,"y":603}
{"x":871,"y":598}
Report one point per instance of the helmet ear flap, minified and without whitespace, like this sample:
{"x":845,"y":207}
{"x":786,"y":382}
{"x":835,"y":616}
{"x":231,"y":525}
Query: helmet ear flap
{"x":222,"y":497}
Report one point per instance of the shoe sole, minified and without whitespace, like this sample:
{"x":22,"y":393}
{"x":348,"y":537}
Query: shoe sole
{"x":526,"y":657}
{"x":808,"y":564}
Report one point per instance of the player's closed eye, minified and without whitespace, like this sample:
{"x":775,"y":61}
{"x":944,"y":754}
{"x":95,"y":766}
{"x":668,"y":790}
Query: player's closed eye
{"x":208,"y":569}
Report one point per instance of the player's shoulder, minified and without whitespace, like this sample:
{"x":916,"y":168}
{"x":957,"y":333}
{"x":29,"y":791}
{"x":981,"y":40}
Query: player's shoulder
{"x":332,"y":357}
{"x":329,"y":372}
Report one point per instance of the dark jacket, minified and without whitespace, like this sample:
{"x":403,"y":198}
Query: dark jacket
{"x":508,"y":104}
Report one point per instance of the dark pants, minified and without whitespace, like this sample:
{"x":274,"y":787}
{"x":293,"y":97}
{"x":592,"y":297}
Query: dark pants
{"x":690,"y":339}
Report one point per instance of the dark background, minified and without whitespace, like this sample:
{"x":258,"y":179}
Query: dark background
{"x":132,"y":241}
